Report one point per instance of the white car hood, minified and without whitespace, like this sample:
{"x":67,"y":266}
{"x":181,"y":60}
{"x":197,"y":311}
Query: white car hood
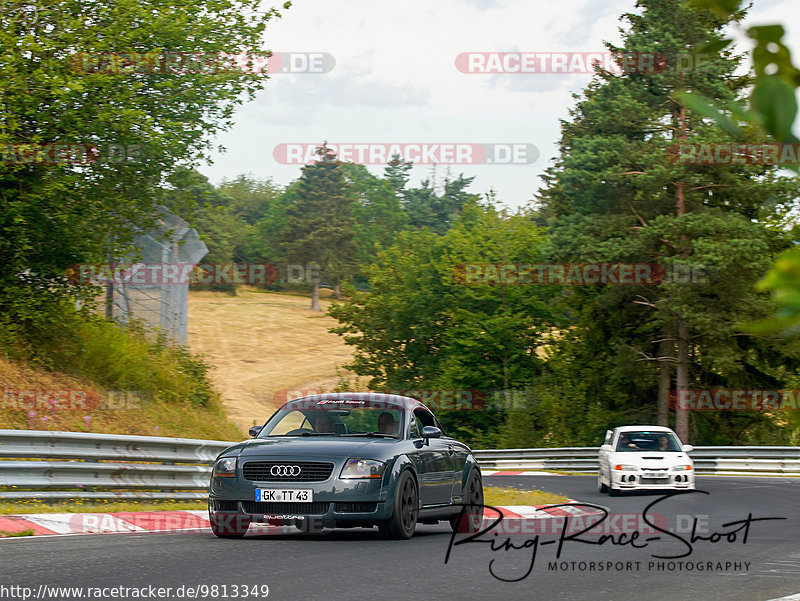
{"x":650,"y":459}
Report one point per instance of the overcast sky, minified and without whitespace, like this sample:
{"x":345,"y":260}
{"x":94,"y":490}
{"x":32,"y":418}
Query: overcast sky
{"x":395,"y":80}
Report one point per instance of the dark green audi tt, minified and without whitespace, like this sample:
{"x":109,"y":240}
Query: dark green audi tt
{"x":347,"y":460}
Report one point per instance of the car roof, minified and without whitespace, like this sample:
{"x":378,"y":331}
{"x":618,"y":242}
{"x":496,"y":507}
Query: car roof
{"x":646,"y":428}
{"x":377,"y":398}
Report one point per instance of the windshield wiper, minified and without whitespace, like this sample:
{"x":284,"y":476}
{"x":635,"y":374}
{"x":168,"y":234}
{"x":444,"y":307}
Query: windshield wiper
{"x":313,"y":434}
{"x":370,"y":434}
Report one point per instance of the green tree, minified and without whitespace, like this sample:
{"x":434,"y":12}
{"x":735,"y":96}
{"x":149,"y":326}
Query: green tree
{"x":250,"y":197}
{"x":212,"y":213}
{"x":70,"y":75}
{"x":616,"y":196}
{"x":379,"y":214}
{"x":422,"y":327}
{"x":426,"y":207}
{"x":320,"y":224}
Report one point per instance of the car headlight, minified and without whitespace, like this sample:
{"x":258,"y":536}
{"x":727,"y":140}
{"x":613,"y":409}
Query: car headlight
{"x":681,"y":468}
{"x":225,"y":468}
{"x":363,"y":468}
{"x":626,"y":468}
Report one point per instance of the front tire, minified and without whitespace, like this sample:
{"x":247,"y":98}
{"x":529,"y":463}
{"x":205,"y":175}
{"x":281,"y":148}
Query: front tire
{"x":229,"y":526}
{"x":403,"y":522}
{"x":601,"y":487}
{"x":470,"y":520}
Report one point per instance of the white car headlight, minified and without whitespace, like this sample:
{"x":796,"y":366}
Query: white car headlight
{"x":362,"y":468}
{"x":225,"y":468}
{"x":681,"y":468}
{"x":626,"y":468}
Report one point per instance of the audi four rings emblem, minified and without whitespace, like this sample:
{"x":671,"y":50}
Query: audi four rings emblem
{"x":285,"y":470}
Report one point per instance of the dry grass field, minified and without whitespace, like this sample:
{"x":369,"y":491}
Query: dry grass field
{"x":262,"y":343}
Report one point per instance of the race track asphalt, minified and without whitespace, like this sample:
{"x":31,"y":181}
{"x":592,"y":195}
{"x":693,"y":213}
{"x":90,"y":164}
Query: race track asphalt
{"x":356,"y":564}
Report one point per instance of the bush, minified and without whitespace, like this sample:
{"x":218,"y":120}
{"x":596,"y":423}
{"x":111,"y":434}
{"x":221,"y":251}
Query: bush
{"x":116,"y":357}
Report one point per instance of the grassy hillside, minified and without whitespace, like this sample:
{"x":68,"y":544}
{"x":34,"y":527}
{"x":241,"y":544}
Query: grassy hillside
{"x":113,"y":413}
{"x":248,"y":349}
{"x":260,"y":343}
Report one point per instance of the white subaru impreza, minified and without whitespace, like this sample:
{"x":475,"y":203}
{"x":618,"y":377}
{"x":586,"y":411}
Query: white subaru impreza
{"x":644,"y":458}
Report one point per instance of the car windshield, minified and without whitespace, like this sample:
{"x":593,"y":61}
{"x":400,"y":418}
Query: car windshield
{"x":647,"y":441}
{"x":335,"y":418}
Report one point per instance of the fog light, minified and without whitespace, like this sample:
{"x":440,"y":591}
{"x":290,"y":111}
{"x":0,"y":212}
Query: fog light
{"x":632,"y":479}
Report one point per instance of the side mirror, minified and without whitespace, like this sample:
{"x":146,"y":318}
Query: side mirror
{"x":431,"y":432}
{"x":687,"y":448}
{"x":254,"y":431}
{"x":606,"y":447}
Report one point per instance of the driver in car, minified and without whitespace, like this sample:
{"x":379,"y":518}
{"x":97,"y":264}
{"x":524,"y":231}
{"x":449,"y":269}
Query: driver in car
{"x":323,"y":424}
{"x":386,"y":424}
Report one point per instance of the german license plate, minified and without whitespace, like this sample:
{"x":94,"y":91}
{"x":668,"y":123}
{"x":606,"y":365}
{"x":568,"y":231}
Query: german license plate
{"x":287,"y":495}
{"x":654,"y":475}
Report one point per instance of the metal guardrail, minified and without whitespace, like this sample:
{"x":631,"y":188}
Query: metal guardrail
{"x":74,"y":465}
{"x":779,"y":461}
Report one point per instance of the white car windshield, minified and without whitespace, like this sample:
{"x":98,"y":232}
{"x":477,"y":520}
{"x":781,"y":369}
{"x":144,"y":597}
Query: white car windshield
{"x":647,"y":441}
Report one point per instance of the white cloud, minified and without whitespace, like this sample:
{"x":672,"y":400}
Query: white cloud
{"x":395,"y":79}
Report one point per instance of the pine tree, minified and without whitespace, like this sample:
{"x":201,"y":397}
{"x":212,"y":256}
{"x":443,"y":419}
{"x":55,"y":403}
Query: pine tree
{"x":616,"y":194}
{"x":320,"y":225}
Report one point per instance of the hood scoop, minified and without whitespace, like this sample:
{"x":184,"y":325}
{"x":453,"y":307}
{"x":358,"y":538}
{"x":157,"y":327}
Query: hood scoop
{"x":652,"y":458}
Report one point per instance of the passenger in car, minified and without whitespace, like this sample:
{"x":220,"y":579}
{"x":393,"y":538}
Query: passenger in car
{"x":387,"y":424}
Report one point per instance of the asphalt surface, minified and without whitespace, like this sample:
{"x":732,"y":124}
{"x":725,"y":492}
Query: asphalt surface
{"x":357,"y":564}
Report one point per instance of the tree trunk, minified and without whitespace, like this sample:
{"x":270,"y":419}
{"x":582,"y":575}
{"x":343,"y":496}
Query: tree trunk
{"x":682,"y":381}
{"x":682,"y":371}
{"x":315,"y":297}
{"x":665,"y":352}
{"x":337,"y":291}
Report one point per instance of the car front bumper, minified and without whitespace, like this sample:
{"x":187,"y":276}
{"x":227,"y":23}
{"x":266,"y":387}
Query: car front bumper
{"x":336,"y":502}
{"x":629,"y":480}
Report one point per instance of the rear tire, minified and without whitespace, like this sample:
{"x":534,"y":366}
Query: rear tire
{"x":471,"y":518}
{"x":403,"y":522}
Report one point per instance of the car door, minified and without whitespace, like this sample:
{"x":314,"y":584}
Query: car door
{"x":458,"y":453}
{"x":603,"y":458}
{"x":434,"y":466}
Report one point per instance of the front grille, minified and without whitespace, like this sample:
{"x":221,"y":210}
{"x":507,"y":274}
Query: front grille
{"x":315,"y":508}
{"x":663,"y":480}
{"x":223,"y":505}
{"x":310,"y":471}
{"x":356,"y":507}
